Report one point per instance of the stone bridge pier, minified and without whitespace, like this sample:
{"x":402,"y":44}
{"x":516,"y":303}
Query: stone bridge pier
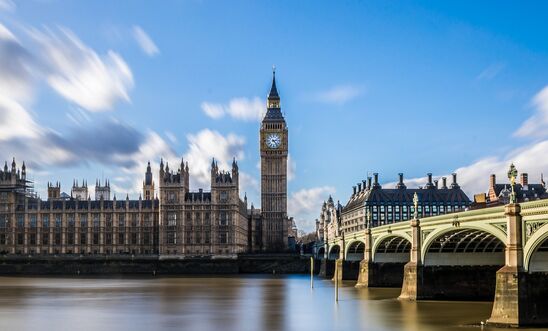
{"x":521,"y":297}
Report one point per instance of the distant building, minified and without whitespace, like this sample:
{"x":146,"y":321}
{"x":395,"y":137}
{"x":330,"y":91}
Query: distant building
{"x":391,"y":205}
{"x":499,"y":193}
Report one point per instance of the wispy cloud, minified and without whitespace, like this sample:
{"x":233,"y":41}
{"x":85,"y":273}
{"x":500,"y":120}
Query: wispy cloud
{"x":304,"y":205}
{"x":537,"y":125}
{"x":244,"y":109}
{"x":78,"y":73}
{"x":491,"y":71}
{"x":145,"y":42}
{"x":340,"y":94}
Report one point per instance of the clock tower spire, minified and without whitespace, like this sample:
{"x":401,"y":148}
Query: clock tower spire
{"x":274,"y":149}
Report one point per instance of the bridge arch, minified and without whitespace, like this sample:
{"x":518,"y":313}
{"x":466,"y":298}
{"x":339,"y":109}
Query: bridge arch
{"x":392,"y":248}
{"x":334,"y":252}
{"x":355,"y":251}
{"x":467,"y":245}
{"x":535,"y":252}
{"x":320,"y":254}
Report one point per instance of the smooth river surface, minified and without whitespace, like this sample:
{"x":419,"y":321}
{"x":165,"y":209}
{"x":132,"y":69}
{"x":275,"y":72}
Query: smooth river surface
{"x":220,"y":303}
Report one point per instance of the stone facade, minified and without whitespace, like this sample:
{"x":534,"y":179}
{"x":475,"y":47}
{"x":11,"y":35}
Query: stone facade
{"x":202,"y":223}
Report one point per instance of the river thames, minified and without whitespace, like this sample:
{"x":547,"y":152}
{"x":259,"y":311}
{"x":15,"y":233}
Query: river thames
{"x":220,"y":303}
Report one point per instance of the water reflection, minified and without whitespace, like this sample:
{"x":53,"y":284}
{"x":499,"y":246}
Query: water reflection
{"x":221,"y":303}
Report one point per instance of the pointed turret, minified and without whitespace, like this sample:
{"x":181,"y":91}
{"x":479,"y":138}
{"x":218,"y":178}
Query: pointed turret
{"x":234,"y":164}
{"x":273,"y":96}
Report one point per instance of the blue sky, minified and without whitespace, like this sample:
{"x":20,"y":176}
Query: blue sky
{"x":95,"y":89}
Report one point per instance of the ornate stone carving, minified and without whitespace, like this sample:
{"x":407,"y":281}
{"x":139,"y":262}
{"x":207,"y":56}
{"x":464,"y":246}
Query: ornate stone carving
{"x":532,"y":227}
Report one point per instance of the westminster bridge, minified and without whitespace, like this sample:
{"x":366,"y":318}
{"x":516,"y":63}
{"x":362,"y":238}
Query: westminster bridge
{"x":499,"y":252}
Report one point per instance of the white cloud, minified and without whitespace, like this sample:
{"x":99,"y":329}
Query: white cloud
{"x":145,"y":42}
{"x":244,"y":109}
{"x":304,"y":205}
{"x":340,"y":94}
{"x":213,"y":110}
{"x":79,"y":74}
{"x":16,"y":68}
{"x":15,"y":121}
{"x":208,"y":144}
{"x":536,"y":126}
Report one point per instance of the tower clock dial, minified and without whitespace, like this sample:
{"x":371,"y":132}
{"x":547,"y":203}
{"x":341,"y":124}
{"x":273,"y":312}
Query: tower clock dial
{"x":273,"y":140}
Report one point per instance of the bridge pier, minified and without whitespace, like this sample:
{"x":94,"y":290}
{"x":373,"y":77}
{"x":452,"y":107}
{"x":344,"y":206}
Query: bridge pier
{"x":326,"y":268}
{"x":412,"y":272}
{"x":365,"y":269}
{"x":520,"y":297}
{"x":347,"y":270}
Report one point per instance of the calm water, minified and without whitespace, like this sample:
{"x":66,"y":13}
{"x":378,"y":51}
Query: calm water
{"x":227,"y":303}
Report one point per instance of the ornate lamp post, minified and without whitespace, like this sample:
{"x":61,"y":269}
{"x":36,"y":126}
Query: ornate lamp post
{"x":512,"y":174}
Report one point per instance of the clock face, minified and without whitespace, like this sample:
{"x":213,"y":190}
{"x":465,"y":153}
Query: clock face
{"x":273,"y":140}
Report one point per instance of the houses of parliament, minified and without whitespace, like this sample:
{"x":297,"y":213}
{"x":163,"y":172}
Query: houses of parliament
{"x":175,"y":222}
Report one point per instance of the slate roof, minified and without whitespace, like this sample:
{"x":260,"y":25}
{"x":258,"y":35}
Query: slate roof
{"x":533,"y":191}
{"x":404,"y":196}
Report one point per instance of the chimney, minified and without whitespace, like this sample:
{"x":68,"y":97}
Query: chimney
{"x":368,"y":183}
{"x":376,"y":180}
{"x":444,"y":183}
{"x":436,"y":183}
{"x":429,"y":183}
{"x":364,"y":184}
{"x":400,"y":184}
{"x":492,"y":180}
{"x":454,"y":184}
{"x":359,"y":187}
{"x":524,"y":179}
{"x":354,"y":187}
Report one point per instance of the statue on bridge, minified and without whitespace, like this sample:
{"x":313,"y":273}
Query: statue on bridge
{"x":416,"y":204}
{"x":512,"y":175}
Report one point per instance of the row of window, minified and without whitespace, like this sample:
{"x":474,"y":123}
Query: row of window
{"x":224,"y":218}
{"x":172,"y":237}
{"x":72,"y":222}
{"x":70,"y":239}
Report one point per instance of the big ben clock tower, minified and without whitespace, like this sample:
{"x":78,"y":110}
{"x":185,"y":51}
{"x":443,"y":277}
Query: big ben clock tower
{"x":274,"y":149}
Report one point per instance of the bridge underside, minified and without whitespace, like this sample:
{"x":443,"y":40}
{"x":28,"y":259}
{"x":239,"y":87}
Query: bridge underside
{"x":386,"y":269}
{"x":393,"y":250}
{"x":467,"y":247}
{"x":355,"y":251}
{"x":334,"y":252}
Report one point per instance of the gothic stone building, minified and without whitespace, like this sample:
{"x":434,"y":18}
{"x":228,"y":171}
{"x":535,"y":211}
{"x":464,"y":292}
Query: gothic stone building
{"x":177,"y":222}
